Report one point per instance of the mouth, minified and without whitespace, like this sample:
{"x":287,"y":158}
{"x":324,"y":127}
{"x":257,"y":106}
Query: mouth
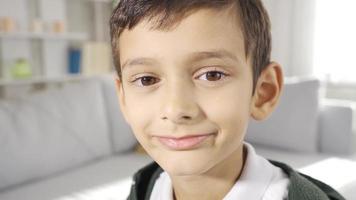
{"x":188,"y":142}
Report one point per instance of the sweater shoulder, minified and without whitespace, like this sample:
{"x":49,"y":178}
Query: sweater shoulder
{"x":305,"y":187}
{"x":143,"y":182}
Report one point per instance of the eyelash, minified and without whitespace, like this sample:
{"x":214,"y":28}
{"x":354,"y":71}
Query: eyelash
{"x":222,"y":76}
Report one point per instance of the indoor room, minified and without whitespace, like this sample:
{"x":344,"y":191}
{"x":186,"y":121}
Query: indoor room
{"x":67,"y":130}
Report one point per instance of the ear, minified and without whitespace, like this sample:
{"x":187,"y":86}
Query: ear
{"x":121,"y":97}
{"x":268,"y":90}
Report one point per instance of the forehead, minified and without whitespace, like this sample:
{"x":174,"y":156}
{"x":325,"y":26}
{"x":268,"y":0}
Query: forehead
{"x":205,"y":30}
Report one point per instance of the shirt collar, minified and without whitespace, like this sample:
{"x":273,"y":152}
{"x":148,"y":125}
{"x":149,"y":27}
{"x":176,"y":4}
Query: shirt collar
{"x":255,"y":178}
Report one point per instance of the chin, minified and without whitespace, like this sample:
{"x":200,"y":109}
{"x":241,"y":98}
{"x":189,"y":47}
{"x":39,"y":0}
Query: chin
{"x":184,"y":169}
{"x":184,"y":164}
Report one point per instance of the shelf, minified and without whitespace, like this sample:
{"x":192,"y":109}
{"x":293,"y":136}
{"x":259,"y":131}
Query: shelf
{"x":104,"y":1}
{"x":40,"y":80}
{"x":45,"y":36}
{"x":95,"y":1}
{"x":46,"y":51}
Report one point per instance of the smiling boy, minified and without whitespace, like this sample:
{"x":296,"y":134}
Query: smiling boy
{"x":191,"y":74}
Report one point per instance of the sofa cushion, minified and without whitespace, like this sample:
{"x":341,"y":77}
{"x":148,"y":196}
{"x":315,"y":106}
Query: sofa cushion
{"x":105,"y":179}
{"x":337,"y":126}
{"x":50,"y":131}
{"x":293,"y":125}
{"x":123,"y":139}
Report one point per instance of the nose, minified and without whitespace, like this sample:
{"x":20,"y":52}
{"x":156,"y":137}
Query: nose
{"x":179,"y":104}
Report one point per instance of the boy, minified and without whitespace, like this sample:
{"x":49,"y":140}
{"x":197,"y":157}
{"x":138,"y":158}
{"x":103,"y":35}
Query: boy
{"x":191,"y":73}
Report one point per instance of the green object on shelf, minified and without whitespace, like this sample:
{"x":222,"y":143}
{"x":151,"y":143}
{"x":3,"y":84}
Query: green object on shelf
{"x":21,"y":69}
{"x":114,"y":3}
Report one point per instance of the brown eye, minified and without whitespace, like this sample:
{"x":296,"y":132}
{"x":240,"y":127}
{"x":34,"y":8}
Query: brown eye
{"x":147,"y":80}
{"x":212,"y":75}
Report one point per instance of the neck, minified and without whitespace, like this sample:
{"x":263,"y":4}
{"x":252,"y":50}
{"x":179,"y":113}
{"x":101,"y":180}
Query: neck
{"x":213,"y":184}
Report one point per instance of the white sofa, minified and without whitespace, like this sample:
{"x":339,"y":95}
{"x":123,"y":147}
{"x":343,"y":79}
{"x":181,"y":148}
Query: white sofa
{"x":70,"y":141}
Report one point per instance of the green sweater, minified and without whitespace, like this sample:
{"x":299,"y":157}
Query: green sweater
{"x":301,"y":186}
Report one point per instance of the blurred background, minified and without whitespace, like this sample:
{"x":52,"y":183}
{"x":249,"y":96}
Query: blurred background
{"x":48,"y":40}
{"x":61,"y":132}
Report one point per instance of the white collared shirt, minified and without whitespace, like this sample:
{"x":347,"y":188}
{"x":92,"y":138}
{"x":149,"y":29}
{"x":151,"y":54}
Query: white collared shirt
{"x":259,"y":180}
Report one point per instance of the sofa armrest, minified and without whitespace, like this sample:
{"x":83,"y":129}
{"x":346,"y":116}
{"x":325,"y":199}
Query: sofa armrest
{"x":337,"y":127}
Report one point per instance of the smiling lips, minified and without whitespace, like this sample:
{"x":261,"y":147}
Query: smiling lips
{"x":183,"y":143}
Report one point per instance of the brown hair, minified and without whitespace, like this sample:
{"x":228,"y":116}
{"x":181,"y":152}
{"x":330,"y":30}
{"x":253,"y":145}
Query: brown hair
{"x":166,"y":13}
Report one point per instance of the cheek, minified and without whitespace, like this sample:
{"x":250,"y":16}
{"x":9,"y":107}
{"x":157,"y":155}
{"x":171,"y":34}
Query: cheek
{"x":139,"y":113}
{"x":229,"y":109}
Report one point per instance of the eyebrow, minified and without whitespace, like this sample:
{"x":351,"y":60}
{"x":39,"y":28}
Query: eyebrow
{"x":139,"y":61}
{"x":193,"y":57}
{"x":219,"y":54}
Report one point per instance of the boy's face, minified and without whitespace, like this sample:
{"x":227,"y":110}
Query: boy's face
{"x":187,"y":92}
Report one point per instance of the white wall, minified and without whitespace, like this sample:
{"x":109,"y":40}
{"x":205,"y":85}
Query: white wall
{"x":292,"y":34}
